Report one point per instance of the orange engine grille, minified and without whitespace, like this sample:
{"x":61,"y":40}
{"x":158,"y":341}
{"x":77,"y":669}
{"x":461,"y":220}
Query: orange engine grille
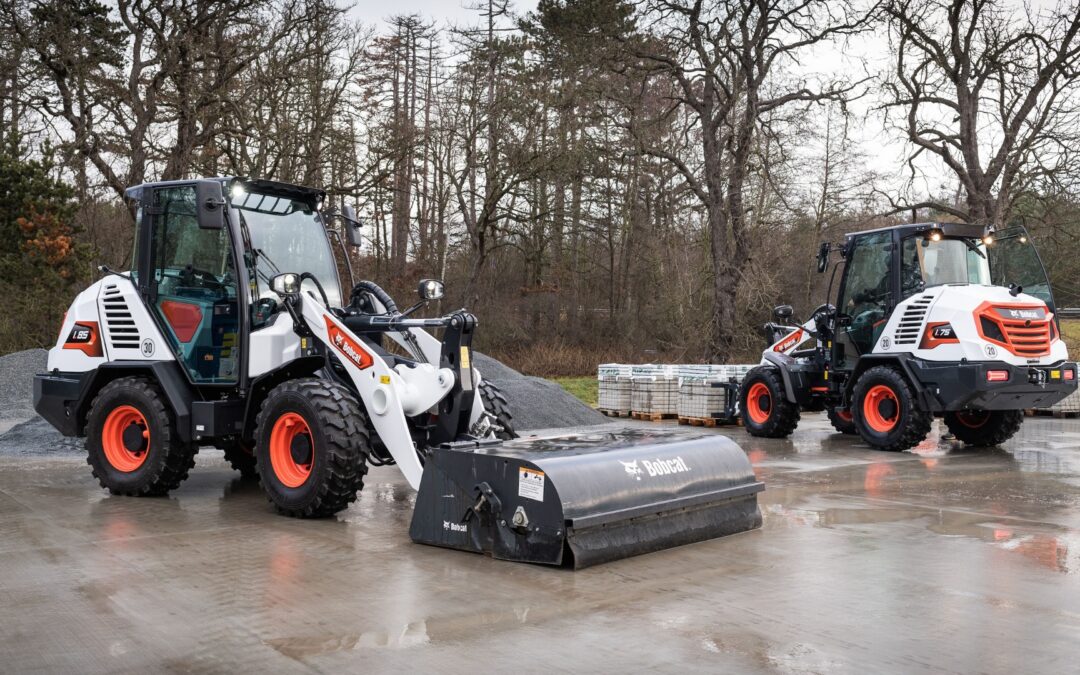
{"x":1025,"y":330}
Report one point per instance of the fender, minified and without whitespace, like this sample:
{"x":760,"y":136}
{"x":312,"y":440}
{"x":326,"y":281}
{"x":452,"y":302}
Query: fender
{"x":783,"y":363}
{"x":902,"y":361}
{"x":64,"y":398}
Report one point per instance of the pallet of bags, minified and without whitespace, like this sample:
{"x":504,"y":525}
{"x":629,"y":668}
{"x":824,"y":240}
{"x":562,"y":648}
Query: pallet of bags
{"x":614,"y":387}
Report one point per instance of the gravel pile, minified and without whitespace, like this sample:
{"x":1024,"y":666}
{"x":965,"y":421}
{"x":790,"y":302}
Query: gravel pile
{"x":22,"y":432}
{"x":17,"y":386}
{"x":37,"y":437}
{"x":536,"y":403}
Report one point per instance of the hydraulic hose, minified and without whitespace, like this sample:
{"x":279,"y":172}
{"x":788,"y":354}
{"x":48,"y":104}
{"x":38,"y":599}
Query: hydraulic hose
{"x":315,"y":280}
{"x":377,"y":291}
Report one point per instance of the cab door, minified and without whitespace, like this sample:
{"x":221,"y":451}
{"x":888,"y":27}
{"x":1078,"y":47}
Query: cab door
{"x":866,"y":296}
{"x":1014,"y":260}
{"x":193,"y":287}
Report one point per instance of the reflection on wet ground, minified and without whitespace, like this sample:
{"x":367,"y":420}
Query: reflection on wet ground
{"x":944,"y":559}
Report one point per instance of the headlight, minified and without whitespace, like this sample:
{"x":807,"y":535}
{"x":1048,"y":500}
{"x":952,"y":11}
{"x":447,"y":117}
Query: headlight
{"x":286,"y":284}
{"x":430,"y":289}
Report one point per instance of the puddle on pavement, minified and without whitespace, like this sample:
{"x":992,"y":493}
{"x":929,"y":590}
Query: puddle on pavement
{"x":1043,"y":544}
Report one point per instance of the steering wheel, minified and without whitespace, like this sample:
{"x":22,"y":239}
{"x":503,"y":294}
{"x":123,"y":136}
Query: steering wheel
{"x":263,"y":309}
{"x":193,"y":276}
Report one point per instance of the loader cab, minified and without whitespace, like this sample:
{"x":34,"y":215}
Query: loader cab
{"x":205,"y":252}
{"x":283,"y":231}
{"x":886,"y":266}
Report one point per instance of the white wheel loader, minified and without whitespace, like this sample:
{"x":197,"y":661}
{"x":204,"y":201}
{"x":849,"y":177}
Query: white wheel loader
{"x":931,"y":319}
{"x":231,"y":330}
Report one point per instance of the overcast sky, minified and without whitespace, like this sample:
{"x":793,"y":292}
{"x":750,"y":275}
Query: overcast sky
{"x":453,"y":11}
{"x":882,"y":150}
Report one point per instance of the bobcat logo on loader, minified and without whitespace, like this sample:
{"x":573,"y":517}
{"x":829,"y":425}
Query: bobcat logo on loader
{"x":789,"y":342}
{"x":347,"y":346}
{"x":632,"y":468}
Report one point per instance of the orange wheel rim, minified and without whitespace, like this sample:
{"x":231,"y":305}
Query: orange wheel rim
{"x":844,"y":415}
{"x":973,"y":420}
{"x":759,"y":403}
{"x":125,"y":438}
{"x":292,"y":450}
{"x":881,"y":409}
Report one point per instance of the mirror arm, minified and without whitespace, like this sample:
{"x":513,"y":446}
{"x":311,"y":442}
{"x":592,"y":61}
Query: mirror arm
{"x":412,"y":309}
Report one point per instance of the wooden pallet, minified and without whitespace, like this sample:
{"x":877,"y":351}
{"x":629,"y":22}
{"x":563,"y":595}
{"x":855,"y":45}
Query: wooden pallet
{"x":699,"y":421}
{"x":1047,"y":412}
{"x":652,"y":417}
{"x":708,"y":421}
{"x":614,"y":413}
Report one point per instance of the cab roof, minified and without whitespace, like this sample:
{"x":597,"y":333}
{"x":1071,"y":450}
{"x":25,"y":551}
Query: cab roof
{"x":965,"y":230}
{"x":298,"y":192}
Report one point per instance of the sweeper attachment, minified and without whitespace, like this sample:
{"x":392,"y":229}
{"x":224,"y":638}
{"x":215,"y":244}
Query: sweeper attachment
{"x":585,"y":498}
{"x":233,"y":332}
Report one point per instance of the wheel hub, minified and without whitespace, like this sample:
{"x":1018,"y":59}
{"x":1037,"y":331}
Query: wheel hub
{"x":300,"y":449}
{"x":764,"y":402}
{"x":887,"y":408}
{"x":133,"y":438}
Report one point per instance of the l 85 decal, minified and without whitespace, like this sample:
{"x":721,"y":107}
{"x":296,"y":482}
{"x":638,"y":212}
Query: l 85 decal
{"x":84,"y":337}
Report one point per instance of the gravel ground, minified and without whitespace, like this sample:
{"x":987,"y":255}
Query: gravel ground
{"x":535,"y":403}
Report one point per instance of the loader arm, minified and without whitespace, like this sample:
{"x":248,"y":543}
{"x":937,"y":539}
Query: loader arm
{"x":376,"y":382}
{"x":415,"y":339}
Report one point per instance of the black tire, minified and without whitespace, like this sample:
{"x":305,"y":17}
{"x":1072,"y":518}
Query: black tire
{"x":240,"y":457}
{"x":890,"y":419}
{"x":769,"y":414}
{"x":984,"y":428}
{"x":337,"y":443}
{"x":844,"y":423}
{"x":140,"y":454}
{"x":496,"y":404}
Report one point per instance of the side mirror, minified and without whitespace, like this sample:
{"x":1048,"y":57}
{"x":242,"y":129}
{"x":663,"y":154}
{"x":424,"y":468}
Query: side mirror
{"x":823,"y":256}
{"x":430,"y":289}
{"x":209,"y":205}
{"x":286,"y":284}
{"x":783,"y":312}
{"x":352,"y":225}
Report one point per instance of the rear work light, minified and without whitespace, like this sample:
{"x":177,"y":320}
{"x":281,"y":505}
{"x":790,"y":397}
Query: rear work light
{"x":997,"y":376}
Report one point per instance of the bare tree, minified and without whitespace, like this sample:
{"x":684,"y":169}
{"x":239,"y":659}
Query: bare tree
{"x":988,"y":90}
{"x":723,"y":58}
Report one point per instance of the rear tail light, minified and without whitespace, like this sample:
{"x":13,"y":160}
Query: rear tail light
{"x":997,"y":376}
{"x":1070,"y":374}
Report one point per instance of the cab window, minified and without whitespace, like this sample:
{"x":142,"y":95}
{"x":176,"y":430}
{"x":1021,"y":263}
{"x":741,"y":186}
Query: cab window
{"x":196,"y":288}
{"x":866,"y":299}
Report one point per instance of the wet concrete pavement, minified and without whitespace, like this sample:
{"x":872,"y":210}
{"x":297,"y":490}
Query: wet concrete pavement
{"x":943,"y":560}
